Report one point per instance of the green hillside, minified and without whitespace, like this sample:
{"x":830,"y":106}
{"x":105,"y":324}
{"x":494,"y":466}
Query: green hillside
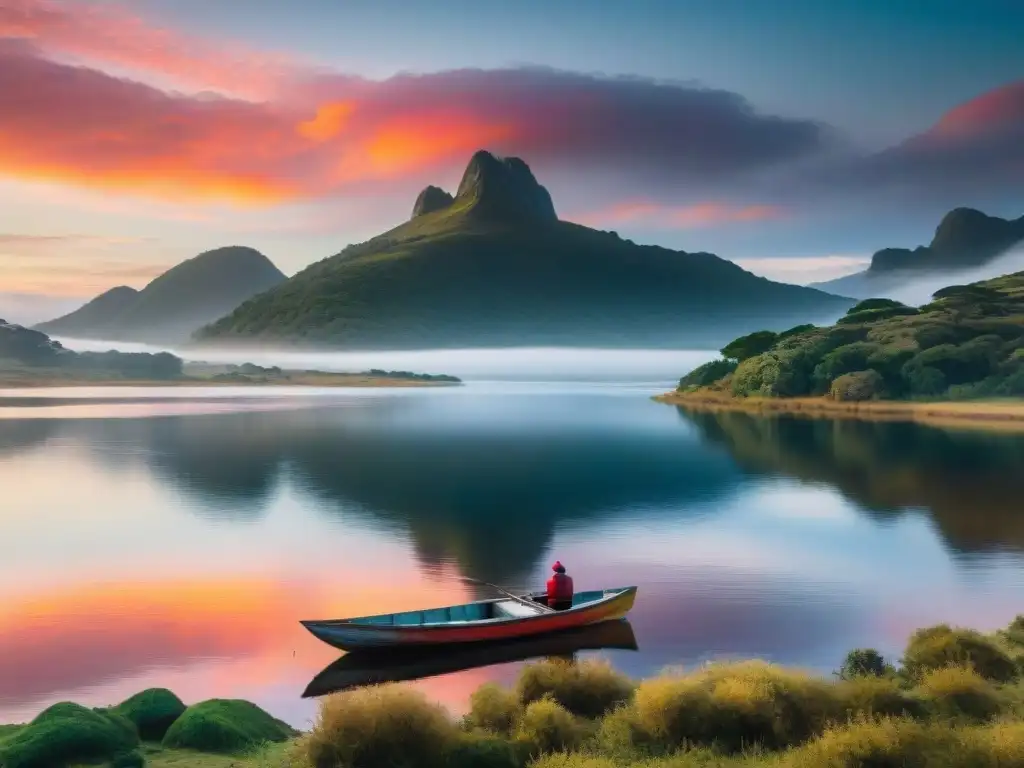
{"x":495,"y":267}
{"x":175,"y":304}
{"x":967,"y":343}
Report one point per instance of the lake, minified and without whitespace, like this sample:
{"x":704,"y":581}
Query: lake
{"x":176,"y":537}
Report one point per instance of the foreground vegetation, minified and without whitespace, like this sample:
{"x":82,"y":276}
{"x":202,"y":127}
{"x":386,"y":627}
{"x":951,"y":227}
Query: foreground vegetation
{"x":967,"y":344}
{"x":30,"y":358}
{"x":956,"y":699}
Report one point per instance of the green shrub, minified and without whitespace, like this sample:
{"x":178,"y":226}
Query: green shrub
{"x":225,"y":726}
{"x":546,"y":726}
{"x":861,"y":662}
{"x":941,"y":646}
{"x":67,"y":733}
{"x":874,"y":696}
{"x":889,"y":743}
{"x":1015,"y":632}
{"x":731,"y":706}
{"x":748,"y":346}
{"x":959,"y":691}
{"x":588,"y":689}
{"x":482,"y":750}
{"x":133,"y":759}
{"x":492,"y":708}
{"x":152,"y":711}
{"x":923,"y":381}
{"x":773,"y":374}
{"x":844,"y":359}
{"x":868,"y":304}
{"x":875,"y":315}
{"x":708,"y":373}
{"x":384,"y":725}
{"x":796,"y":330}
{"x":858,"y":386}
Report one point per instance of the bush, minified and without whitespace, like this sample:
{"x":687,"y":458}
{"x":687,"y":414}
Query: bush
{"x":750,"y":345}
{"x":1015,"y":632}
{"x":941,"y":646}
{"x":547,"y":726}
{"x":152,"y":711}
{"x":796,"y":330}
{"x":380,"y":726}
{"x":873,"y":696}
{"x":732,"y":706}
{"x":476,"y":750}
{"x":492,"y":708}
{"x":587,"y":688}
{"x":861,"y":662}
{"x":133,"y":759}
{"x":67,"y":733}
{"x":708,"y":373}
{"x":874,"y":315}
{"x":858,"y":386}
{"x":890,"y":743}
{"x":842,"y":360}
{"x":225,"y":726}
{"x":923,"y":381}
{"x":959,"y":691}
{"x":869,"y":304}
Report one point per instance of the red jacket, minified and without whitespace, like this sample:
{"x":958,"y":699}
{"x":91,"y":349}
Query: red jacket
{"x":559,"y":588}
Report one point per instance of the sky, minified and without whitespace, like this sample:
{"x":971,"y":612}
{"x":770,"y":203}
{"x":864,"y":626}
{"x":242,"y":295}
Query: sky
{"x":791,"y":136}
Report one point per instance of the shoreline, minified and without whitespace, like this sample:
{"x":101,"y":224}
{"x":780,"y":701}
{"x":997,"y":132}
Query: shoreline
{"x":339,"y":380}
{"x":985,"y":415}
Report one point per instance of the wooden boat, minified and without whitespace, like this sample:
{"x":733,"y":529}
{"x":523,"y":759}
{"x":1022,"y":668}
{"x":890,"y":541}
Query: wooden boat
{"x":497,"y":619}
{"x":391,"y":665}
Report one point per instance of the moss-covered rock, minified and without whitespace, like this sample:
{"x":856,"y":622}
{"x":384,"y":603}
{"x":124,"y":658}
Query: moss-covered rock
{"x":152,"y":711}
{"x":225,"y":726}
{"x":67,"y":733}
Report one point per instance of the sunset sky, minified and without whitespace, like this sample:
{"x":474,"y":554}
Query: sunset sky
{"x":796,"y":137}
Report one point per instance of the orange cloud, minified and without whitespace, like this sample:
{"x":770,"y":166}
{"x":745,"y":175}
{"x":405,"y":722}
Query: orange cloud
{"x":329,"y":120}
{"x":660,"y":216}
{"x":112,"y":35}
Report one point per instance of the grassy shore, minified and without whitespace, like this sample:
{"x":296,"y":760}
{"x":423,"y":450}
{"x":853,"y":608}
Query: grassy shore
{"x":1007,"y":415}
{"x":956,"y":699}
{"x":40,"y":379}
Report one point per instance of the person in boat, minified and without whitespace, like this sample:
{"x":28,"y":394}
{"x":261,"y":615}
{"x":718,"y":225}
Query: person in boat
{"x":559,"y":588}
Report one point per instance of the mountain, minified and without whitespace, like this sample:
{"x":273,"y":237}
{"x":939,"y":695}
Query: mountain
{"x":494,"y":266}
{"x":176,"y":303}
{"x":965,"y":239}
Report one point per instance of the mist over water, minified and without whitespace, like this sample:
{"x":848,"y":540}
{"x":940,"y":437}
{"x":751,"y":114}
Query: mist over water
{"x":661,"y":367}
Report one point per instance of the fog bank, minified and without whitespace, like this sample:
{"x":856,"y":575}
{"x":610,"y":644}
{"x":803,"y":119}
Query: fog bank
{"x":919,"y":290}
{"x":515,"y":364}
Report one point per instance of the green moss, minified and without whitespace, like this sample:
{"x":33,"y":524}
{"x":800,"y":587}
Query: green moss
{"x":152,"y":711}
{"x":225,"y":726}
{"x":66,"y":733}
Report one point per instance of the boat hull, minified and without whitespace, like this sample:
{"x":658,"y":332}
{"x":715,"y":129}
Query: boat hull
{"x":348,"y":635}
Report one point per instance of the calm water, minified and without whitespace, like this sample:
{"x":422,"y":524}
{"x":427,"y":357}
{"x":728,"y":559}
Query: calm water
{"x":177,"y":539}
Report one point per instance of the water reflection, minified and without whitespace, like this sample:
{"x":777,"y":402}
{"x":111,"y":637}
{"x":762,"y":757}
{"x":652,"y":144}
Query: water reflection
{"x":361,"y":668}
{"x":183,"y":549}
{"x":969,"y":482}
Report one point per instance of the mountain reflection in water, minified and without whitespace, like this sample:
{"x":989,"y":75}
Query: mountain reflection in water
{"x":185,"y":547}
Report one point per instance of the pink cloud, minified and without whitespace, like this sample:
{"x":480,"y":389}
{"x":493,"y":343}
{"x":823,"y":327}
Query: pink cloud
{"x":112,"y":35}
{"x":656,"y":215}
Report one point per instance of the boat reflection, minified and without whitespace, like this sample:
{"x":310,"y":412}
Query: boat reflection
{"x":370,"y":667}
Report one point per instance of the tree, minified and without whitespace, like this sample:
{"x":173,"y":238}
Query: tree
{"x":751,"y":345}
{"x":857,"y":386}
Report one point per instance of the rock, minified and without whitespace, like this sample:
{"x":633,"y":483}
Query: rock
{"x":431,"y":199}
{"x":504,"y":189}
